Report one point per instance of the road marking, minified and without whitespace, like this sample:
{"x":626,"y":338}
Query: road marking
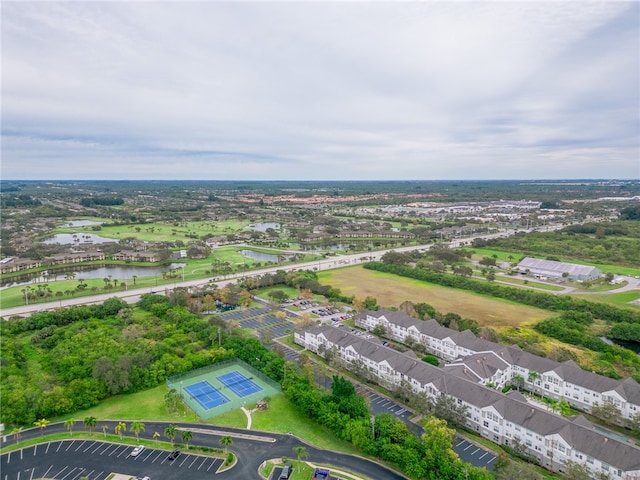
{"x":125,"y":449}
{"x":106,"y":449}
{"x":149,"y":453}
{"x":35,"y":450}
{"x":203,"y":460}
{"x":70,"y":443}
{"x":158,"y":456}
{"x":47,"y":449}
{"x":468,"y":447}
{"x":33,"y":470}
{"x":90,"y":445}
{"x":476,"y":451}
{"x":21,"y":454}
{"x":80,"y":446}
{"x":99,"y":445}
{"x":485,"y":454}
{"x":492,"y":459}
{"x":60,"y":472}
{"x":74,"y":469}
{"x":47,"y":472}
{"x":460,"y":443}
{"x":194,"y":461}
{"x":59,"y":445}
{"x":401,"y":411}
{"x":184,"y":460}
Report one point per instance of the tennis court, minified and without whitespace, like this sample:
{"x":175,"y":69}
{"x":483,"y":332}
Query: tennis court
{"x":206,"y":395}
{"x":224,"y":386}
{"x":241,"y":385}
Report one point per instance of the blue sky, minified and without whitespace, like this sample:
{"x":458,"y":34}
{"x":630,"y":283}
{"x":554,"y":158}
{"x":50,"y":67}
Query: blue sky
{"x":320,"y":91}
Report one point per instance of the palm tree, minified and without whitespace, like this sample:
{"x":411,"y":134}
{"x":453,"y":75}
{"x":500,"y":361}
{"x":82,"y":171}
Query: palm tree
{"x":90,"y":424}
{"x":170,"y":432}
{"x":517,"y":381}
{"x":42,"y":424}
{"x":226,"y":442}
{"x":17,"y":434}
{"x":533,"y":378}
{"x":105,"y":429}
{"x":301,"y":452}
{"x":120,"y":429}
{"x":156,"y":436}
{"x":69,"y":425}
{"x":136,"y":428}
{"x":186,"y":436}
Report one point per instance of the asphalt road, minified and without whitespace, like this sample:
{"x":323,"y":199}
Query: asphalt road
{"x":70,"y":459}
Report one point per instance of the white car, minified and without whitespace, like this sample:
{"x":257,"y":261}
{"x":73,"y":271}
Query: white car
{"x":137,"y":451}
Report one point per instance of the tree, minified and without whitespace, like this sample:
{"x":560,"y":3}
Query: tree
{"x":42,"y":424}
{"x":156,"y":436}
{"x":17,"y":434}
{"x":446,"y":407}
{"x":226,"y":442}
{"x":379,"y":330}
{"x":301,"y":452}
{"x":90,"y":424}
{"x":136,"y":428}
{"x":69,"y":425}
{"x":517,"y":381}
{"x":105,"y":429}
{"x":120,"y":428}
{"x":170,"y":432}
{"x":607,"y":411}
{"x":533,"y":378}
{"x":186,"y":436}
{"x":576,"y":471}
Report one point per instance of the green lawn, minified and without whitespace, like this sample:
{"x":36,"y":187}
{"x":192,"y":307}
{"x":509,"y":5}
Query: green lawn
{"x":283,"y":417}
{"x":148,"y":405}
{"x":529,"y":283}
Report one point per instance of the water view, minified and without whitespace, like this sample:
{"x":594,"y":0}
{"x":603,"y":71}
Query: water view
{"x":119,"y":272}
{"x":263,"y":227}
{"x":81,"y":223}
{"x":77,"y":238}
{"x":265,"y":257}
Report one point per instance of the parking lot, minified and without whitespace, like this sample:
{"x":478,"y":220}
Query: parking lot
{"x":471,"y":453}
{"x":380,"y":404}
{"x":72,"y":459}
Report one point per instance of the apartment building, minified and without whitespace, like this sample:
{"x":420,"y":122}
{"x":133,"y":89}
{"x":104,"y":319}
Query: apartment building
{"x":503,"y":418}
{"x":491,"y":363}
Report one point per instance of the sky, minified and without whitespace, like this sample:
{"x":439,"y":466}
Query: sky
{"x":320,"y":90}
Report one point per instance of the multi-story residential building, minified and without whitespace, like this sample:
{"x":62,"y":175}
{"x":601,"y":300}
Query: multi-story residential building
{"x":503,"y":418}
{"x":492,"y":363}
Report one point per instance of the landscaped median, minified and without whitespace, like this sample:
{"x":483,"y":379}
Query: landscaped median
{"x":304,"y":470}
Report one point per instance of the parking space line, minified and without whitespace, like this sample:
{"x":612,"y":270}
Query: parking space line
{"x":18,"y":476}
{"x":183,"y":460}
{"x":459,"y":443}
{"x":80,"y":446}
{"x":98,"y":447}
{"x":212,"y":464}
{"x":149,"y":453}
{"x":71,"y":472}
{"x":158,"y":456}
{"x":90,"y":445}
{"x":203,"y":461}
{"x":107,"y":447}
{"x":47,"y":449}
{"x":21,"y":450}
{"x":125,"y":449}
{"x":485,"y":454}
{"x":47,"y":472}
{"x":194,"y":461}
{"x":33,"y":470}
{"x":35,"y":450}
{"x":99,"y":475}
{"x":468,"y":447}
{"x":476,"y":451}
{"x":492,"y":459}
{"x":60,"y":472}
{"x":70,"y":444}
{"x":59,"y":445}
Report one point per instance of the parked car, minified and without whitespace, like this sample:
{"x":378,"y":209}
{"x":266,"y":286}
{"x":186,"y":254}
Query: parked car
{"x":286,"y":472}
{"x":137,"y":451}
{"x":173,"y":455}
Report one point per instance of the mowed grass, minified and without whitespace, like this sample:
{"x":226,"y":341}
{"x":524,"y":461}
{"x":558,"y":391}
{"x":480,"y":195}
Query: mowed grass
{"x":391,"y":290}
{"x":148,"y":405}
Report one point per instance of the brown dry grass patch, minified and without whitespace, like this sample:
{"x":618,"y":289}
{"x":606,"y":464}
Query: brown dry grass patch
{"x":391,"y":290}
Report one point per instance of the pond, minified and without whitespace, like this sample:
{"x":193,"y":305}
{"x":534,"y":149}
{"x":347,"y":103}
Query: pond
{"x":262,"y":227}
{"x":265,"y":257}
{"x":117,"y":272}
{"x":80,"y":223}
{"x":77,"y":238}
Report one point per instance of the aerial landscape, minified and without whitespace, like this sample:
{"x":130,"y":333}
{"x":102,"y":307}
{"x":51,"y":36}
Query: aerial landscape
{"x":341,"y":240}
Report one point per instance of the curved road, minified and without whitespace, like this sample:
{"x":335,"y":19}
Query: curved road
{"x":251,"y":447}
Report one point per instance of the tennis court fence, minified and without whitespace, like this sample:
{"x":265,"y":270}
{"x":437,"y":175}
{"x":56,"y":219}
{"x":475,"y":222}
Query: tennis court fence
{"x":267,"y":385}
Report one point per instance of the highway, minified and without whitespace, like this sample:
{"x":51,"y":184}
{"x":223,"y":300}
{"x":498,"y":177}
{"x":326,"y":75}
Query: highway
{"x":133,"y":295}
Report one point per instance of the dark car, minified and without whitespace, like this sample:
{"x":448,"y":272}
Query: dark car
{"x":286,"y":472}
{"x":173,"y":455}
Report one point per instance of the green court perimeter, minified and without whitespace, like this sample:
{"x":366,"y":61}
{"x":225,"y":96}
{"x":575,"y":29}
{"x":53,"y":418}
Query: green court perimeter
{"x":210,"y":374}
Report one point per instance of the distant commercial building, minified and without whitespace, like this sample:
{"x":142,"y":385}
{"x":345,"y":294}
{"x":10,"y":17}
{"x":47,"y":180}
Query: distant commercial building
{"x":553,"y":270}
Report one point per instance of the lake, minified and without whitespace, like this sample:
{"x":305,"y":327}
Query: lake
{"x":77,"y":238}
{"x":119,"y":272}
{"x":265,"y":257}
{"x":262,"y":227}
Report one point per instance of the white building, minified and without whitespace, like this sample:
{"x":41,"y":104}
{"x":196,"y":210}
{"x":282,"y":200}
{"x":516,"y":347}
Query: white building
{"x":505,"y":419}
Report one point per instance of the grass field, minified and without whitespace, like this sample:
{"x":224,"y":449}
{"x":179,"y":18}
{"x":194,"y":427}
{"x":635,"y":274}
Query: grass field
{"x":530,"y":283}
{"x":391,"y":290}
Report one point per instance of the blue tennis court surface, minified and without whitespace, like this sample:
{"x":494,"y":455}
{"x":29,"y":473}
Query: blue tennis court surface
{"x":206,"y":395}
{"x":239,"y":384}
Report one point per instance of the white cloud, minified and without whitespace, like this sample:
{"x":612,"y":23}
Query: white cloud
{"x":320,"y":90}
